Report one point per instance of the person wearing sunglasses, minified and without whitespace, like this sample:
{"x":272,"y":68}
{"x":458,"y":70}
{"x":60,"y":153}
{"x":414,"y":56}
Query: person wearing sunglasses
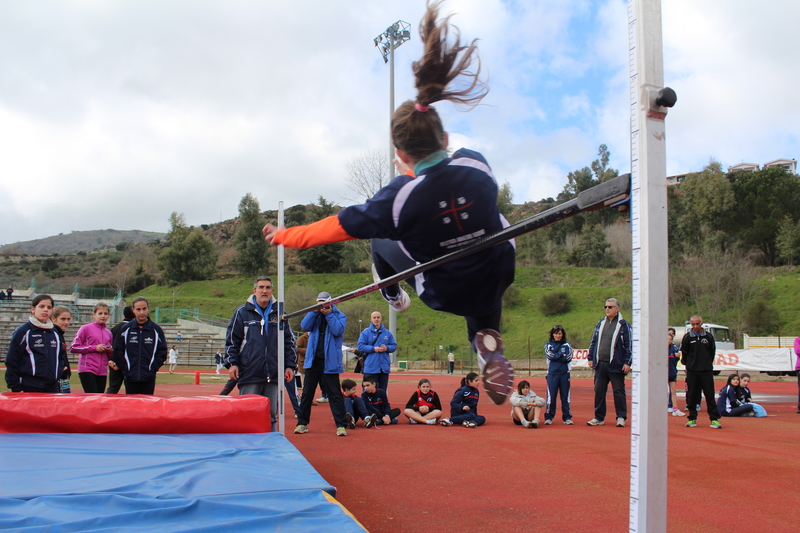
{"x":611,"y":357}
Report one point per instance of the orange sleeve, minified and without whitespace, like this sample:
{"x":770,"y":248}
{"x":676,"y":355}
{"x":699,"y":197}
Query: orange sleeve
{"x":324,"y":231}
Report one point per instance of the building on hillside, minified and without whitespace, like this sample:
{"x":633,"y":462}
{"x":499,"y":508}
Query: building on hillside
{"x":744,"y":167}
{"x":790,"y":165}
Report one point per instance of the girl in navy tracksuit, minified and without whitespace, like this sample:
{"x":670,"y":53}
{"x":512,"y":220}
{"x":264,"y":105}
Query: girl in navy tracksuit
{"x":464,"y":405}
{"x":36,"y":358}
{"x":729,"y":404}
{"x":448,"y":203}
{"x":559,"y":355}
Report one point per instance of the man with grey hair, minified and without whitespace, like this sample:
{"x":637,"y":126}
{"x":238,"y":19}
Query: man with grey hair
{"x":251,"y":346}
{"x":611,"y":357}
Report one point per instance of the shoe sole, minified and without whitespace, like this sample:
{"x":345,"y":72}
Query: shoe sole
{"x":498,"y":374}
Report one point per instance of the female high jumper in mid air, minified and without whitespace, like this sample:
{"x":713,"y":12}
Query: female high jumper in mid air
{"x":449,"y":202}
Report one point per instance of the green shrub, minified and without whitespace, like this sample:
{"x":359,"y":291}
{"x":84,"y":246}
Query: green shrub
{"x":555,"y":303}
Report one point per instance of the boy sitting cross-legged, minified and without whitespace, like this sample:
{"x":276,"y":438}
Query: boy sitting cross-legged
{"x":353,"y":405}
{"x":377,"y":403}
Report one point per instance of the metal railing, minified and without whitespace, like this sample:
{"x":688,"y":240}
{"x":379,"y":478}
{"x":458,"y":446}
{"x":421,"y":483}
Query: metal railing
{"x":165,"y":315}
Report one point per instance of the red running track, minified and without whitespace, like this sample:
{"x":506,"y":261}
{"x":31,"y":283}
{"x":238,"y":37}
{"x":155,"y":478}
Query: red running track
{"x":501,"y":477}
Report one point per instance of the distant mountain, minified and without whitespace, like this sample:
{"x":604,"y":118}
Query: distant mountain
{"x":81,"y":241}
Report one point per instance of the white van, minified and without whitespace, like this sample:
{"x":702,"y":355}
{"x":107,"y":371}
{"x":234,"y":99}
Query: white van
{"x":722,"y":335}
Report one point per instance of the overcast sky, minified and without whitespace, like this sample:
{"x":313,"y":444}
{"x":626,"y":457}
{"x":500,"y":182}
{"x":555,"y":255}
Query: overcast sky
{"x":114,"y":114}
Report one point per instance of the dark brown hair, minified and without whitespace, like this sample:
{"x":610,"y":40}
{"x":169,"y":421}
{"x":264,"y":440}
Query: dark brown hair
{"x":421,"y":133}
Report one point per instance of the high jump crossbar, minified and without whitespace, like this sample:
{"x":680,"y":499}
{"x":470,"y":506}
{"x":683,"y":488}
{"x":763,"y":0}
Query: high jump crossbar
{"x":603,"y":195}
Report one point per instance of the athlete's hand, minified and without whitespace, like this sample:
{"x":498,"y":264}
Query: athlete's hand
{"x":401,"y":167}
{"x":269,"y":232}
{"x":233,"y":372}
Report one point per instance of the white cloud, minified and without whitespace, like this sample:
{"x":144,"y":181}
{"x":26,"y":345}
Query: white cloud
{"x":115,"y":114}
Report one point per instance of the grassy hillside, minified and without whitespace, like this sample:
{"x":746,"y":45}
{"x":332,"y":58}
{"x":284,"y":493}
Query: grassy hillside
{"x":421,"y":330}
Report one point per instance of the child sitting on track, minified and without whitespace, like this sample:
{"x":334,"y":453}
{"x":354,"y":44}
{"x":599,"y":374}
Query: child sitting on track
{"x":526,"y":406}
{"x":449,"y":203}
{"x":424,"y":406}
{"x":353,"y":405}
{"x":377,"y":404}
{"x":729,"y":404}
{"x":464,"y":405}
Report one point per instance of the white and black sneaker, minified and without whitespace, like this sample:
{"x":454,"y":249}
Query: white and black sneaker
{"x":401,"y":302}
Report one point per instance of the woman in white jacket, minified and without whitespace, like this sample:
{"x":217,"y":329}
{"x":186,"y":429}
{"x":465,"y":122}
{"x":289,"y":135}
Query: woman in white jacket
{"x":526,"y":406}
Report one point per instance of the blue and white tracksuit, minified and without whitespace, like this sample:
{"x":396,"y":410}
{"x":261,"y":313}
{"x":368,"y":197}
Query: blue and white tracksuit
{"x":450,"y":204}
{"x":466,"y":396}
{"x":377,"y":403}
{"x":559,"y":356}
{"x":35,"y":359}
{"x":728,"y":403}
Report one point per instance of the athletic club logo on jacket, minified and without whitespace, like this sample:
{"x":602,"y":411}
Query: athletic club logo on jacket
{"x":251,"y":343}
{"x":35,"y":358}
{"x":140,"y":350}
{"x":449,"y":205}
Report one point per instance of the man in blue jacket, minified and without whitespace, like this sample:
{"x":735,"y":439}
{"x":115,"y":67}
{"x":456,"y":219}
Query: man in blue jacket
{"x":611,"y":357}
{"x":377,"y":343}
{"x":139,"y":350}
{"x":251,"y":346}
{"x":323,"y":363}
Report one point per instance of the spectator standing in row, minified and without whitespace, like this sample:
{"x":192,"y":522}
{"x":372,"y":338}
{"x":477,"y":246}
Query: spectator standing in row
{"x":610,"y":356}
{"x":173,"y":359}
{"x":377,"y":344}
{"x":140,"y":350}
{"x":323,"y":363}
{"x":451,"y":363}
{"x":558,"y":354}
{"x":36,"y":359}
{"x":672,"y":375}
{"x":698,"y":350}
{"x":251,"y":346}
{"x":115,"y":376}
{"x":61,"y":318}
{"x":95,"y":344}
{"x":219,"y":360}
{"x":797,"y":369}
{"x":9,"y":292}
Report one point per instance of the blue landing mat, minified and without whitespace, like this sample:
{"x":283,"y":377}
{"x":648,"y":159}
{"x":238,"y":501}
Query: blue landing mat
{"x":102,"y":482}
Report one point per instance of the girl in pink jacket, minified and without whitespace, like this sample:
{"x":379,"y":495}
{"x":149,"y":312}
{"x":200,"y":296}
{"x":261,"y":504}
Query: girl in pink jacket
{"x":93,"y":343}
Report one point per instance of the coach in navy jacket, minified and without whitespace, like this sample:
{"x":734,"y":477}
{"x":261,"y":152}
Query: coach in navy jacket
{"x":611,"y":357}
{"x":139,"y":350}
{"x":251,"y":346}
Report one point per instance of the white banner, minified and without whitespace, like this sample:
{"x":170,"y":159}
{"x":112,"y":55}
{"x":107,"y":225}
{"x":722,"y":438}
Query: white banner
{"x":758,"y":359}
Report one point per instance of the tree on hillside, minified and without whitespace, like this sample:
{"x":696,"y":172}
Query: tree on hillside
{"x":788,"y":240}
{"x":251,"y":248}
{"x":708,"y":208}
{"x":367,"y":174}
{"x":189,"y":255}
{"x":597,"y":172}
{"x":592,"y":249}
{"x":505,"y":199}
{"x":325,"y":258}
{"x":763,"y":200}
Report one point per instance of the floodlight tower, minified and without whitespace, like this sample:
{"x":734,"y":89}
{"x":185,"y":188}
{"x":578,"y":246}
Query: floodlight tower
{"x":393,"y":37}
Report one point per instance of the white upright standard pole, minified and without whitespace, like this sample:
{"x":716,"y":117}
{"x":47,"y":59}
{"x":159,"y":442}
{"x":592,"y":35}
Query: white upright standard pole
{"x":281,"y":370}
{"x":392,"y":312}
{"x":648,"y":478}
